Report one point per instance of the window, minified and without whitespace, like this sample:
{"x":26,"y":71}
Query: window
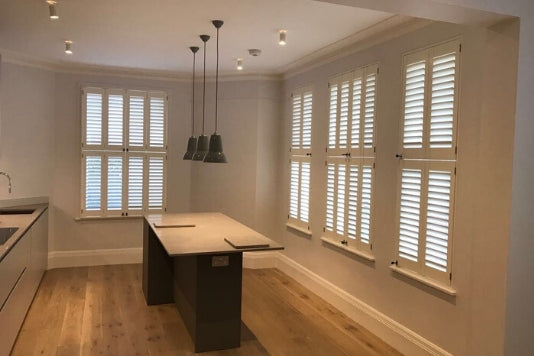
{"x":123,"y":152}
{"x":428,"y":161}
{"x":351,"y":160}
{"x":300,"y":160}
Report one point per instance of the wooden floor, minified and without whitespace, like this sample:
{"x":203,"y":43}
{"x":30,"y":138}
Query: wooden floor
{"x":101,"y":311}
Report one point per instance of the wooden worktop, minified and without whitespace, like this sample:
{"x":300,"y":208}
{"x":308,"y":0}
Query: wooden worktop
{"x":207,"y":236}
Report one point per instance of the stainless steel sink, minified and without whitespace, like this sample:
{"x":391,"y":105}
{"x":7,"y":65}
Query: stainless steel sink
{"x":6,"y":233}
{"x":16,"y":211}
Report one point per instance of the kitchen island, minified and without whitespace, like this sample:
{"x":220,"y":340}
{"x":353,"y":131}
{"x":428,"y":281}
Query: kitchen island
{"x":195,"y":260}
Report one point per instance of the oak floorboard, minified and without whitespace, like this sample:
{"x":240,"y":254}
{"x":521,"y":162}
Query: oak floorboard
{"x":101,"y":310}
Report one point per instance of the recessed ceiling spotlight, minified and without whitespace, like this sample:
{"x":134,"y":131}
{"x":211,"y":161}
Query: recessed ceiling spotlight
{"x":254,"y":52}
{"x":239,"y":64}
{"x":282,"y":41}
{"x":52,"y":9}
{"x":68,"y":47}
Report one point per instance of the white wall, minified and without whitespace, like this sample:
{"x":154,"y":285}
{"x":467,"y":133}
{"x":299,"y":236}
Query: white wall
{"x":473,"y":322}
{"x":68,"y":234}
{"x":246,"y":187}
{"x":27,"y":130}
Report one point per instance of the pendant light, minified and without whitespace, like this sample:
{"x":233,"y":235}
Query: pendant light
{"x":192,"y":143}
{"x":215,"y":154}
{"x":202,"y":144}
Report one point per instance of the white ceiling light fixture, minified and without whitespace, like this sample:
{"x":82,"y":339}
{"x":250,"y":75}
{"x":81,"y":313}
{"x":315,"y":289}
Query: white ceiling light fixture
{"x":52,"y":9}
{"x":68,"y":47}
{"x":239,"y":64}
{"x":282,"y":40}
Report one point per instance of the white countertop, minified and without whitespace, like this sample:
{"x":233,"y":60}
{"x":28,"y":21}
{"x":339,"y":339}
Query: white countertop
{"x":23,"y":222}
{"x":207,"y":236}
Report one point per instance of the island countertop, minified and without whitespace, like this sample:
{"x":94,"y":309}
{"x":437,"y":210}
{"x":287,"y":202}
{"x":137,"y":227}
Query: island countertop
{"x":20,"y":221}
{"x":205,"y":233}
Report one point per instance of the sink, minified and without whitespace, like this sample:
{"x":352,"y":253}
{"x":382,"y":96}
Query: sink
{"x":6,"y":232}
{"x":16,"y":211}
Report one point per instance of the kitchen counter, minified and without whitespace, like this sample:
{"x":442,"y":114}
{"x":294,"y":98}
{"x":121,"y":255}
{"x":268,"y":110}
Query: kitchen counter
{"x":22,"y":222}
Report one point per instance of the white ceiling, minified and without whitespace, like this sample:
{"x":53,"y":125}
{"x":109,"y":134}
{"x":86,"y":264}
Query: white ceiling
{"x":155,"y":35}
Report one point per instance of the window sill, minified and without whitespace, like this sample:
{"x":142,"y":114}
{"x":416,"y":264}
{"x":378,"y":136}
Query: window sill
{"x":299,"y":229}
{"x":96,"y":218}
{"x":363,"y":254}
{"x":425,"y":280}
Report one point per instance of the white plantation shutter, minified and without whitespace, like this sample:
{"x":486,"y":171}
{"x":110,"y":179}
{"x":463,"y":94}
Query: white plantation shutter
{"x":114,"y":183}
{"x":93,"y":113}
{"x":93,"y":183}
{"x":155,"y":182}
{"x":301,"y":123}
{"x":369,"y":118}
{"x":332,"y":126}
{"x":410,"y":213}
{"x":414,"y":105}
{"x":426,"y":202}
{"x":352,"y":113}
{"x":428,"y":165}
{"x":156,"y":138}
{"x":353,"y":197}
{"x":299,"y":194}
{"x":442,"y":102}
{"x":366,"y":204}
{"x":296,"y":123}
{"x":300,"y":160}
{"x":349,"y":180}
{"x":124,"y":166}
{"x":348,"y":201}
{"x":115,"y":119}
{"x":136,"y":122}
{"x":135,"y":182}
{"x":430,"y":96}
{"x":356,"y":113}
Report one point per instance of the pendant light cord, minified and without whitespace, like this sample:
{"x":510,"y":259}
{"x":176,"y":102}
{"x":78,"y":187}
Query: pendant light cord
{"x":204,"y":91}
{"x":193,"y":104}
{"x":217,"y":82}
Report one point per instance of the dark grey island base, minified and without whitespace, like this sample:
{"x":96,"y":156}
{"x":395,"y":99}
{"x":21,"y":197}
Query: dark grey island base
{"x":197,"y":270}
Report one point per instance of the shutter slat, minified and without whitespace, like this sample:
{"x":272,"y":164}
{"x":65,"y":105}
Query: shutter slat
{"x":356,"y":109}
{"x":414,"y":105}
{"x":442,"y":101}
{"x":304,"y":191}
{"x":437,"y":224}
{"x":370,"y":85}
{"x":135,"y":183}
{"x":157,"y":122}
{"x":352,"y":214}
{"x":294,"y":190}
{"x":365,"y":219}
{"x":330,"y":186}
{"x":93,"y":183}
{"x":332,"y":126}
{"x":340,"y":207}
{"x":155,"y":182}
{"x":115,"y":119}
{"x":93,"y":119}
{"x":136,"y":121}
{"x":410,"y":214}
{"x":114,"y":183}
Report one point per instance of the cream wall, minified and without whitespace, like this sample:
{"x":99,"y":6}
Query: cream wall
{"x":246,"y":187}
{"x":26,"y":130}
{"x":473,"y":322}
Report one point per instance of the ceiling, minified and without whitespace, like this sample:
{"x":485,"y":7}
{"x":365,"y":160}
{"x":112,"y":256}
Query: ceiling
{"x":138,"y":34}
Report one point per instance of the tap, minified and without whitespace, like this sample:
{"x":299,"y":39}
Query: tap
{"x":8,"y":178}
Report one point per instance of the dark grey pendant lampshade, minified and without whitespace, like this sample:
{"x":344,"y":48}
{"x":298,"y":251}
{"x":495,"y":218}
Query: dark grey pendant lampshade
{"x":202,"y":143}
{"x":215,"y":154}
{"x":192,"y":142}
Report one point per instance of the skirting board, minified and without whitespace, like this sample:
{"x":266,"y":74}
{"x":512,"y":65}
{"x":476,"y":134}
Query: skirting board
{"x":392,"y":332}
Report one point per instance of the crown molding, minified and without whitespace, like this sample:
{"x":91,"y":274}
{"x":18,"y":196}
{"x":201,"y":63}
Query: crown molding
{"x":22,"y":59}
{"x":388,"y":29}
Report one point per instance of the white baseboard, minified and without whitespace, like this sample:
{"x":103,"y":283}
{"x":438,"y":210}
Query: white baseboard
{"x":62,"y":259}
{"x":392,"y":332}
